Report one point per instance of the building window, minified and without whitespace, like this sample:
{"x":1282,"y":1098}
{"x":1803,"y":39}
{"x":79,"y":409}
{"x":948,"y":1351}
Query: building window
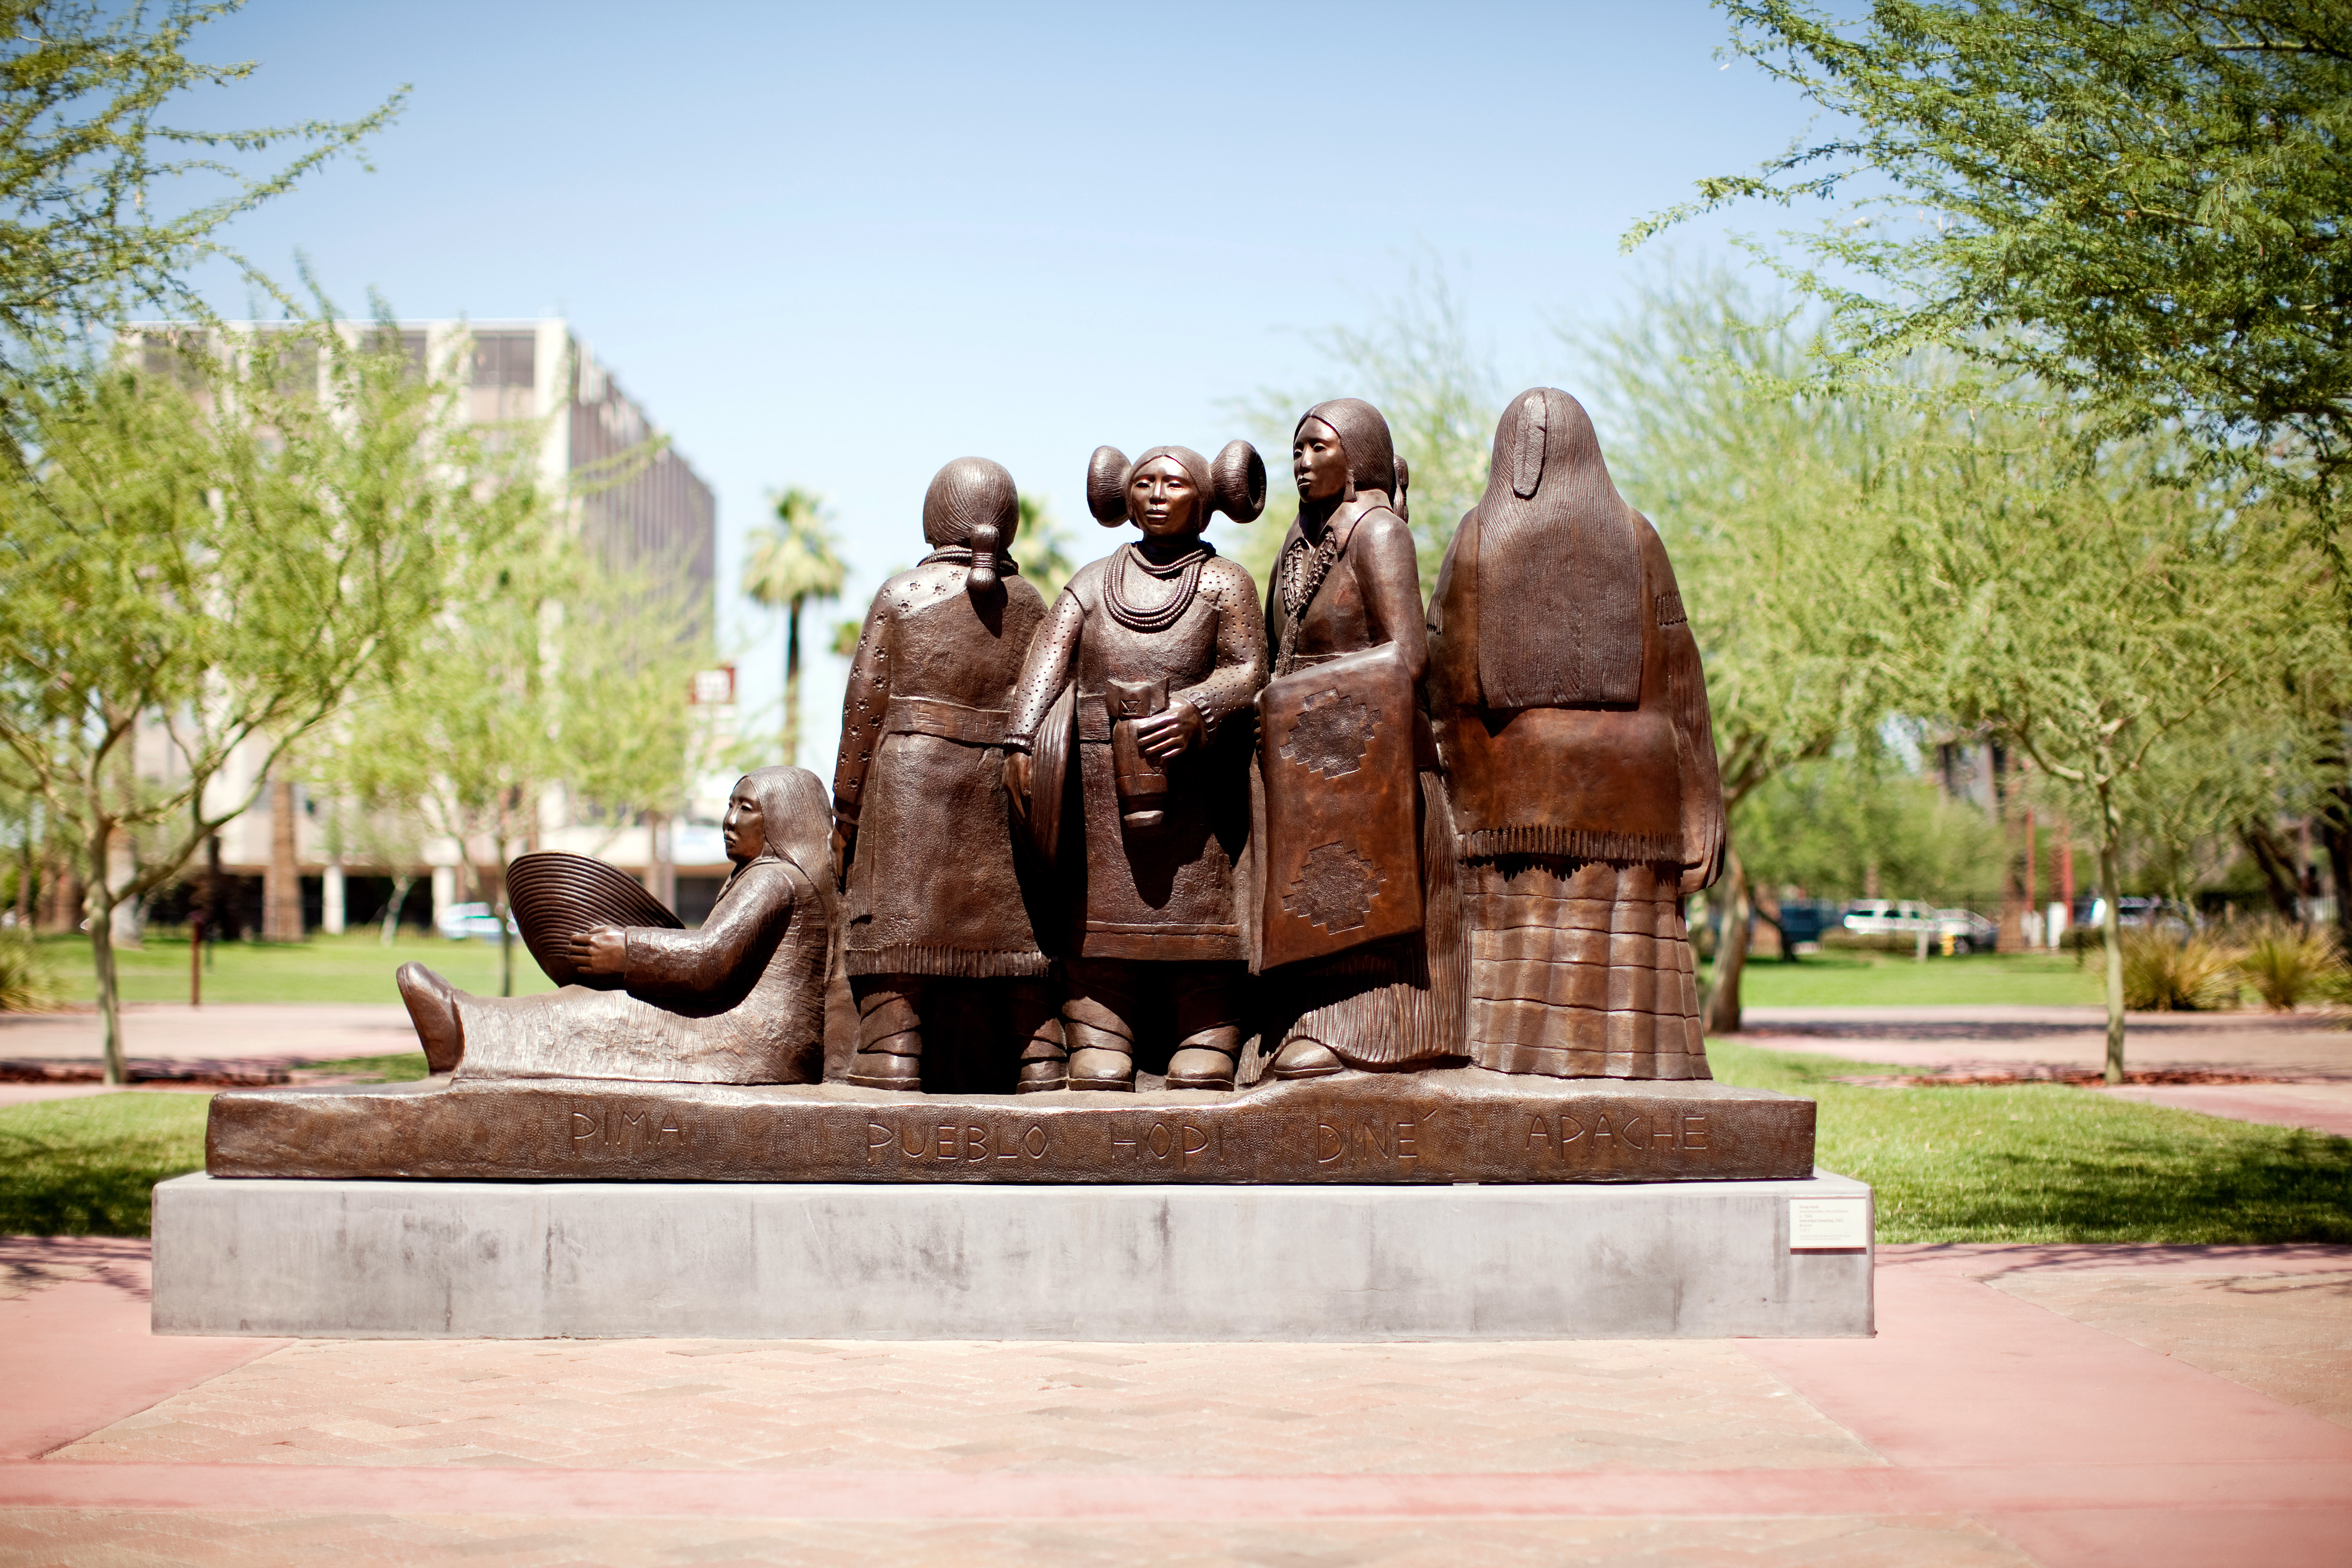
{"x":504,"y":358}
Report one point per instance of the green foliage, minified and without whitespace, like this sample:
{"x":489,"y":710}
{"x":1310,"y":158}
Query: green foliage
{"x":2051,"y":1164}
{"x":205,"y":556}
{"x":548,"y":669}
{"x":356,"y":966}
{"x":85,"y":1166}
{"x":2140,"y":204}
{"x":1045,"y":547}
{"x":28,"y":981}
{"x":1824,"y":824}
{"x":2285,"y":963}
{"x":1417,"y":364}
{"x":1848,"y":978}
{"x":405,"y":1067}
{"x":785,"y":566}
{"x":796,"y":560}
{"x":2174,"y":971}
{"x":88,"y":227}
{"x":1770,"y":502}
{"x":2088,"y":612}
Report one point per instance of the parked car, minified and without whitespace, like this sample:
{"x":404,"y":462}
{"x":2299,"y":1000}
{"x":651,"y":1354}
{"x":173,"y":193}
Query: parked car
{"x":1803,"y":920}
{"x":2164,"y":914}
{"x":459,"y":921}
{"x":1889,"y":916}
{"x":1895,"y":922}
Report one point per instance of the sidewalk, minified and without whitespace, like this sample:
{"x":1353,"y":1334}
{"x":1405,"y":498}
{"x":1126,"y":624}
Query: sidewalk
{"x":2054,"y":1406}
{"x":2310,"y":1052}
{"x":226,"y":1037}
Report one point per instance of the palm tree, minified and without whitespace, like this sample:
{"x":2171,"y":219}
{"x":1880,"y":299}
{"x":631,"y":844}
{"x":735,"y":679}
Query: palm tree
{"x":787,"y":565}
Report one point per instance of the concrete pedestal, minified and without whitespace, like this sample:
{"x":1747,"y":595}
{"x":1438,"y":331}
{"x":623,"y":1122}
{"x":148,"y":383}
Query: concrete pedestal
{"x":593,"y":1260}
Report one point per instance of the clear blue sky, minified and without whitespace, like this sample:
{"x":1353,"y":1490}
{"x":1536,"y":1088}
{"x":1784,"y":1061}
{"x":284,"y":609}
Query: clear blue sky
{"x":837,"y":246}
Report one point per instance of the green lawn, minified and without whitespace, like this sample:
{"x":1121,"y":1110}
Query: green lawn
{"x":2049,"y":1164}
{"x":354,"y":967}
{"x":82,"y":1167}
{"x":2045,"y":1164}
{"x":1885,"y":980}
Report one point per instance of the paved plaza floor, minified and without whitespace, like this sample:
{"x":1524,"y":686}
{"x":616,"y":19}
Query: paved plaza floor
{"x":2137,"y":1405}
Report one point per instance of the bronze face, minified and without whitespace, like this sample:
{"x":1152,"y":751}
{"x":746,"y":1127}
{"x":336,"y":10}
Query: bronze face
{"x":1163,"y":502}
{"x":745,"y":829}
{"x":1318,"y":462}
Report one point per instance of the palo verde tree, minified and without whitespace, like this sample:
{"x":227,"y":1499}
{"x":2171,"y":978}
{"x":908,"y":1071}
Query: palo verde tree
{"x":2138,"y":203}
{"x":199,"y":562}
{"x":553,"y":690}
{"x":2088,"y":616}
{"x":105,"y":207}
{"x":1770,"y":498}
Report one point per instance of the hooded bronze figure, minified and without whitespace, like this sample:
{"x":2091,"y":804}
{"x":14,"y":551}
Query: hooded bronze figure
{"x":1571,"y":716}
{"x":935,"y":903}
{"x":1148,"y":662}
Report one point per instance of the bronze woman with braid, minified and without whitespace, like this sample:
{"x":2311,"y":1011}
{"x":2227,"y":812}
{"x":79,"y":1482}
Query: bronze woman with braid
{"x":937,"y":915}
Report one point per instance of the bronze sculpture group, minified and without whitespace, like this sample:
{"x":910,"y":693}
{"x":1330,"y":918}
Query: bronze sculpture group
{"x":1161,"y":828}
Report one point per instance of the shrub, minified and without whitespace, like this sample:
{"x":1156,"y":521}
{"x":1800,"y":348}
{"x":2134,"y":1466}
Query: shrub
{"x":2285,"y":963}
{"x":2167,"y":972}
{"x":27,"y":982}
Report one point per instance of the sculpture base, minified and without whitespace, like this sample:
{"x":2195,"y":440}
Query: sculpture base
{"x":1463,"y":1124}
{"x":517,"y":1260}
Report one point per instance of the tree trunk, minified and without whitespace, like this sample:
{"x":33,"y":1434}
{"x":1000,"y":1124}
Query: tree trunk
{"x":281,"y":888}
{"x":25,"y":875}
{"x":102,"y":951}
{"x":401,"y":883}
{"x":2271,"y":858}
{"x":61,"y":899}
{"x":215,"y":919}
{"x":1722,"y":1010}
{"x":2336,"y":833}
{"x":2111,"y":927}
{"x":1766,"y":936}
{"x":793,"y":684}
{"x":661,"y":869}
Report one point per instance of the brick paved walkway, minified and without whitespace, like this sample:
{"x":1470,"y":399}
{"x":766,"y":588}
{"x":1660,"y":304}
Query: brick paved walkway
{"x":2052,"y":1406}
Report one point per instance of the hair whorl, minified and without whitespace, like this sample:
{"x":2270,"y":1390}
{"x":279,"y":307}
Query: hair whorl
{"x":1106,"y":473}
{"x":1237,"y":483}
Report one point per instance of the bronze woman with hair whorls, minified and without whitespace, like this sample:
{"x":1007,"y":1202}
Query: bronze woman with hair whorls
{"x":935,"y":903}
{"x":1159,"y":648}
{"x":1344,"y":616}
{"x":1571,"y":714}
{"x":741,"y":1000}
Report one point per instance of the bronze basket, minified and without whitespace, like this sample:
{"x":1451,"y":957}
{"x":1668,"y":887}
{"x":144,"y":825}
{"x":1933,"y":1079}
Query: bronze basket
{"x":555,"y":896}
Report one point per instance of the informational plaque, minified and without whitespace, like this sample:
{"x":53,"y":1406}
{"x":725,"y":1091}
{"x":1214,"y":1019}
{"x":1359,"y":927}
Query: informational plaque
{"x":1829,"y":1225}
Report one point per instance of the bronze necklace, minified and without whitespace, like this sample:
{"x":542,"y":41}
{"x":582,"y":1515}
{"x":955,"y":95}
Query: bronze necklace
{"x":1303,"y":570}
{"x":1185,"y":569}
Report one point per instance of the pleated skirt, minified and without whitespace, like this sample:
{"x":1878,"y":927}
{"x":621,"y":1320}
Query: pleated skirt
{"x":1581,"y":969}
